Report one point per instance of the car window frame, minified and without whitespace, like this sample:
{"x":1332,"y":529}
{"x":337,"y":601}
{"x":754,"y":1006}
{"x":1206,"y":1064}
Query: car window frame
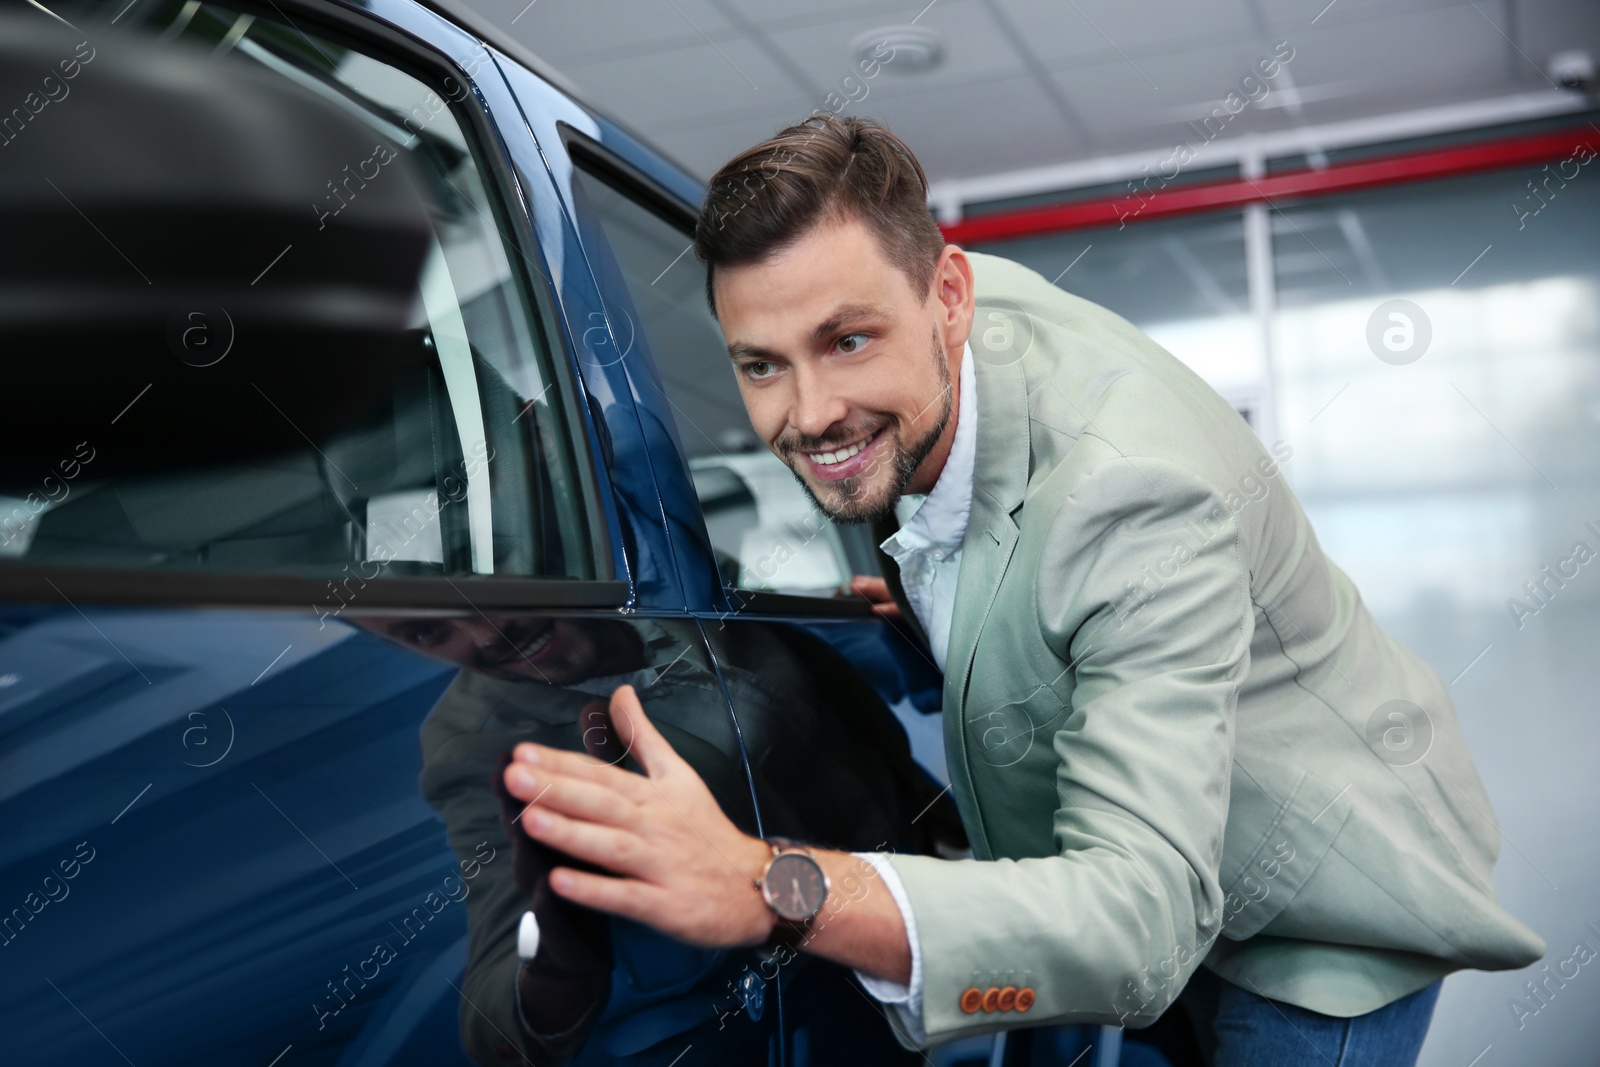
{"x":430,"y":63}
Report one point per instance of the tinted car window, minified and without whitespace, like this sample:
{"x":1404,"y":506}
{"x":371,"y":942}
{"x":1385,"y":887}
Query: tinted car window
{"x":765,"y":531}
{"x":261,"y":421}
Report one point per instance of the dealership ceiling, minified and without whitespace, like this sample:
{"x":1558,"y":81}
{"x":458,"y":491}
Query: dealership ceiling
{"x":984,"y":87}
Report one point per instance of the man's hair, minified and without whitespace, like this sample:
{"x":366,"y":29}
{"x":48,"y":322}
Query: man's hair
{"x":820,"y":170}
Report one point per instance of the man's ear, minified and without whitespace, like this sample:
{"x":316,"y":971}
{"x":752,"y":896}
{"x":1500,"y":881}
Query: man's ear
{"x":957,"y":295}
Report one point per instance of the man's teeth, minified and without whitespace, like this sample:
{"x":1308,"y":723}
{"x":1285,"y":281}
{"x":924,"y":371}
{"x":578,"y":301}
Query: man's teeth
{"x":828,"y":459}
{"x":537,"y":646}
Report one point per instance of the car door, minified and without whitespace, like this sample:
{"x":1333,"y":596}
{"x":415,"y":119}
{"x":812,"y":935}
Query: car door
{"x":823,"y":690}
{"x":309,"y":518}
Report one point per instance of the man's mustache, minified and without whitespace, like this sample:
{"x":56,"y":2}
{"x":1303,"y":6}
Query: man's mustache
{"x":800,"y":443}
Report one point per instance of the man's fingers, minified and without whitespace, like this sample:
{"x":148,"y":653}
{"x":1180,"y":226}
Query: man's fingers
{"x":608,"y":735}
{"x":547,"y":763}
{"x":628,"y":897}
{"x":589,"y":801}
{"x":639,"y":735}
{"x":874,"y":589}
{"x":876,"y":592}
{"x":604,"y":846}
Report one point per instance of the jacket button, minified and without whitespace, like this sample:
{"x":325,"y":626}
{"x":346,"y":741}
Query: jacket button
{"x":1025,"y":998}
{"x":1008,"y":998}
{"x":971,"y":999}
{"x":991,"y":998}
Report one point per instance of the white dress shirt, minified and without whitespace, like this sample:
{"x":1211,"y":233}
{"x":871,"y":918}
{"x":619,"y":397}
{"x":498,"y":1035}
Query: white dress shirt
{"x":927,"y":549}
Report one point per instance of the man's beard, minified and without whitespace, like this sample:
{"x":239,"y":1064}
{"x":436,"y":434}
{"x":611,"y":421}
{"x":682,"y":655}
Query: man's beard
{"x":850,"y":505}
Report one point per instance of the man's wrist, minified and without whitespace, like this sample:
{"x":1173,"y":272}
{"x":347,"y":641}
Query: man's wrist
{"x":752,"y":863}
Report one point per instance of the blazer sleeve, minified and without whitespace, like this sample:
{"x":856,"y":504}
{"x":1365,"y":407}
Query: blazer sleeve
{"x":1109,"y":928}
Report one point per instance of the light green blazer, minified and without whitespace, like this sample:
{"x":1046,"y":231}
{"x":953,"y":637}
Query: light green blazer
{"x":1168,"y":717}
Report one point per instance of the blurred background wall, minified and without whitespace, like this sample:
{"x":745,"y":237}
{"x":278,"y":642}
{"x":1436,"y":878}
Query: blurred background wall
{"x":1372,"y":224}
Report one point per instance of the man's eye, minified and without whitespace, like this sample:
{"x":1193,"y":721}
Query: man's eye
{"x":759,"y":369}
{"x":426,"y":634}
{"x":852,"y":342}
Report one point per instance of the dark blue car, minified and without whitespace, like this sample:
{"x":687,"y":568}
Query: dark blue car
{"x":363,"y":417}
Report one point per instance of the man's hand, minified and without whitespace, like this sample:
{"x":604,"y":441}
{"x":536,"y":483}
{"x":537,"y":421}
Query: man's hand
{"x":876,"y":591}
{"x":682,"y":866}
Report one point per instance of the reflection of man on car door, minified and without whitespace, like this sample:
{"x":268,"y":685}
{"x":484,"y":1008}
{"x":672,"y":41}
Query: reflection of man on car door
{"x":598,"y":990}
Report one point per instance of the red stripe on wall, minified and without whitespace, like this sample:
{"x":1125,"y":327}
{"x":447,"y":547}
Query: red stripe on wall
{"x":1153,"y":201}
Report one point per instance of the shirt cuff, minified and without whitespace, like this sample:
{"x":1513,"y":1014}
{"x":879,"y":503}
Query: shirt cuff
{"x":906,"y":999}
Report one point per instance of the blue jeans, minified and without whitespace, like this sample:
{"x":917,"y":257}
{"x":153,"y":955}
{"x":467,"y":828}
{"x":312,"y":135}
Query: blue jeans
{"x":1239,"y":1028}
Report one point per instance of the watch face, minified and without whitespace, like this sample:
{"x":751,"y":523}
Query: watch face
{"x":795,"y":887}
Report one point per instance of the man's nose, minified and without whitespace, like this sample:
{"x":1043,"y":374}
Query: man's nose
{"x":818,"y":406}
{"x":480,"y":632}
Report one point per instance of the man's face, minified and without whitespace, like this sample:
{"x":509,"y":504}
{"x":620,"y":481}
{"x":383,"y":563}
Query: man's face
{"x":518,"y":648}
{"x":844,"y":369}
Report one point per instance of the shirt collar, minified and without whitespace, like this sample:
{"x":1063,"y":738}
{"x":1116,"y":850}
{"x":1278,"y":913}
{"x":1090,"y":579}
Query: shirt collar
{"x":941,"y":521}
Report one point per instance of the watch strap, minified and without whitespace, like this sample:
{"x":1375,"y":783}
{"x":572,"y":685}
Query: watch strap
{"x":789,"y":934}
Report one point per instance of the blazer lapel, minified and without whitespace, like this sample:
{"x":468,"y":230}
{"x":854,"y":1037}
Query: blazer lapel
{"x":1000,"y":479}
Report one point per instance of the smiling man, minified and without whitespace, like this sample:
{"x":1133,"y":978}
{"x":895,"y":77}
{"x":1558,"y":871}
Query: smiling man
{"x":857,"y":441}
{"x":1201,"y":784}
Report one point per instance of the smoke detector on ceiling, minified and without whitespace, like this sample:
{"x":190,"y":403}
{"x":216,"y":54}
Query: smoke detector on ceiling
{"x":909,"y":49}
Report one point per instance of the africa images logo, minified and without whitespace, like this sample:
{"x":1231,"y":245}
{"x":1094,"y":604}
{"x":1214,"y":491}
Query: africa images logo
{"x":1398,"y":332}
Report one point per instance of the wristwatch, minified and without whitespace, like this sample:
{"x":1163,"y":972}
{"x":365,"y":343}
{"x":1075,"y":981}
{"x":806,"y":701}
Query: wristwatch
{"x":795,"y":887}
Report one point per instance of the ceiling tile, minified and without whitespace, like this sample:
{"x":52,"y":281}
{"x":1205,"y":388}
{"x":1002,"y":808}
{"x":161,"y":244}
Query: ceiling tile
{"x":1062,"y":29}
{"x":978,"y":128}
{"x":1118,"y":96}
{"x":561,"y":31}
{"x":1287,"y":17}
{"x":1409,"y":56}
{"x":788,"y":14}
{"x":700,"y":80}
{"x":1052,"y":29}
